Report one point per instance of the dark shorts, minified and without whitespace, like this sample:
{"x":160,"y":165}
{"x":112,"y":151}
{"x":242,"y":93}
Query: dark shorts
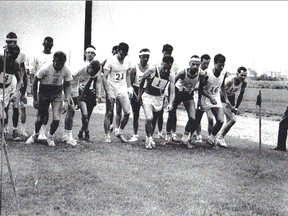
{"x":50,"y":93}
{"x":89,"y":98}
{"x":182,"y":95}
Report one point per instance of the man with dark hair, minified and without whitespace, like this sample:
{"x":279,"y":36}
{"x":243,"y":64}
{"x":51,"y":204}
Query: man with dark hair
{"x":136,"y":74}
{"x":185,"y":83}
{"x":115,"y":50}
{"x":87,"y":95}
{"x":205,"y":61}
{"x":166,"y":51}
{"x":12,"y":83}
{"x":53,"y":78}
{"x":117,"y":85}
{"x":46,"y":56}
{"x":157,"y":79}
{"x":11,"y":41}
{"x":233,"y":85}
{"x":209,"y":88}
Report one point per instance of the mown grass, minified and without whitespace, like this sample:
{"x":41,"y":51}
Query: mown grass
{"x":96,"y":178}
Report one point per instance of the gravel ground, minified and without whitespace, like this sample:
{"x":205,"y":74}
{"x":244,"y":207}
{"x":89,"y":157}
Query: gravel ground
{"x":246,"y":127}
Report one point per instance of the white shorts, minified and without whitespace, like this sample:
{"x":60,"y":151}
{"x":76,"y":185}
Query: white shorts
{"x":155,"y":101}
{"x":117,"y":89}
{"x":206,"y":103}
{"x":8,"y":92}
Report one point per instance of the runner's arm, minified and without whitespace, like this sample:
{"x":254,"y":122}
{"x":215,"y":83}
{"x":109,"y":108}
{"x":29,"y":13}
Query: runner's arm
{"x":147,"y":73}
{"x":241,"y":94}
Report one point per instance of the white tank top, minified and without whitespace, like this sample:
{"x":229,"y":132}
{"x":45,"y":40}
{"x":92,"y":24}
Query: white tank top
{"x":214,"y":83}
{"x":233,"y":89}
{"x":138,"y":76}
{"x":187,"y":84}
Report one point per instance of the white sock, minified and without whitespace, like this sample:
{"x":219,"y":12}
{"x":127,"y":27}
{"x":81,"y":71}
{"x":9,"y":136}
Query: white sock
{"x":43,"y":129}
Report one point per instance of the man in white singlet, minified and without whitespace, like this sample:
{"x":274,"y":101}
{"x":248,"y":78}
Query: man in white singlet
{"x":117,"y":84}
{"x":152,"y":100}
{"x":53,"y":78}
{"x":12,"y":82}
{"x":209,"y":88}
{"x":46,"y":56}
{"x":136,"y":74}
{"x":185,"y":83}
{"x":205,"y":61}
{"x":233,"y":85}
{"x":11,"y":41}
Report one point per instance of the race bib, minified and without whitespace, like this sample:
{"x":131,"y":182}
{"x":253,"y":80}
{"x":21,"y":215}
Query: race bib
{"x":7,"y":79}
{"x":159,"y":83}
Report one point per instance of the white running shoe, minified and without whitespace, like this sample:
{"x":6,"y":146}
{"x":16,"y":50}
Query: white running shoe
{"x":185,"y":138}
{"x":148,"y":143}
{"x":175,"y":138}
{"x":168,"y":138}
{"x":211,"y":141}
{"x":198,"y":139}
{"x":153,"y":144}
{"x":42,"y":136}
{"x":71,"y":141}
{"x":160,"y":134}
{"x":31,"y":139}
{"x":50,"y":141}
{"x":221,"y":142}
{"x":134,"y":138}
{"x":107,"y":138}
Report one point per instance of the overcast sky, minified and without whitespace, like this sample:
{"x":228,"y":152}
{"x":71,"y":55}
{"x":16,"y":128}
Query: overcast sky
{"x":252,"y":34}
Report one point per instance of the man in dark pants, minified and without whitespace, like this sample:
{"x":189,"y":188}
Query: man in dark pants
{"x":282,"y":132}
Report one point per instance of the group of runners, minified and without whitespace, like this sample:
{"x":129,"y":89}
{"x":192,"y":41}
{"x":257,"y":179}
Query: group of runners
{"x":203,"y":87}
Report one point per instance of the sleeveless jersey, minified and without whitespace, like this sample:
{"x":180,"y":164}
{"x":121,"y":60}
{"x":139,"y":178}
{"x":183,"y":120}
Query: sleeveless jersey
{"x":138,"y":76}
{"x":233,"y":89}
{"x":11,"y":69}
{"x":157,"y":84}
{"x":187,"y":84}
{"x":212,"y":88}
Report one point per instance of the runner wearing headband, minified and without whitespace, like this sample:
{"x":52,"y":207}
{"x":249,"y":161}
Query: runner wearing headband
{"x":136,"y":74}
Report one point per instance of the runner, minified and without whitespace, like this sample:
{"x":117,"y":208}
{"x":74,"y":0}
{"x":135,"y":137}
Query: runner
{"x":167,"y":51}
{"x":53,"y":79}
{"x":136,"y":74}
{"x":185,"y":83}
{"x":205,"y":61}
{"x":12,"y":81}
{"x":116,"y":82}
{"x":11,"y":41}
{"x":81,"y":74}
{"x":46,"y":56}
{"x":87,"y":95}
{"x":115,"y":50}
{"x":233,"y":84}
{"x":157,"y":79}
{"x":209,"y":89}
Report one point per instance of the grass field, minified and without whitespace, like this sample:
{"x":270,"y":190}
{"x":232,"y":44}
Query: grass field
{"x":274,"y":101}
{"x":95,"y":178}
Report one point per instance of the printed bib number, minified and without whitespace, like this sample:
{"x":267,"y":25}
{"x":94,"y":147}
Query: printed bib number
{"x":119,"y":76}
{"x":233,"y":90}
{"x":7,"y":78}
{"x":213,"y":90}
{"x":137,"y":81}
{"x":159,"y":83}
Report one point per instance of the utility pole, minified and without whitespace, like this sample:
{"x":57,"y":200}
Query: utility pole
{"x":88,"y":24}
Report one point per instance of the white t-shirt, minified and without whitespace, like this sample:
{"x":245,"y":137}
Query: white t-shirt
{"x":48,"y":76}
{"x":41,"y":59}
